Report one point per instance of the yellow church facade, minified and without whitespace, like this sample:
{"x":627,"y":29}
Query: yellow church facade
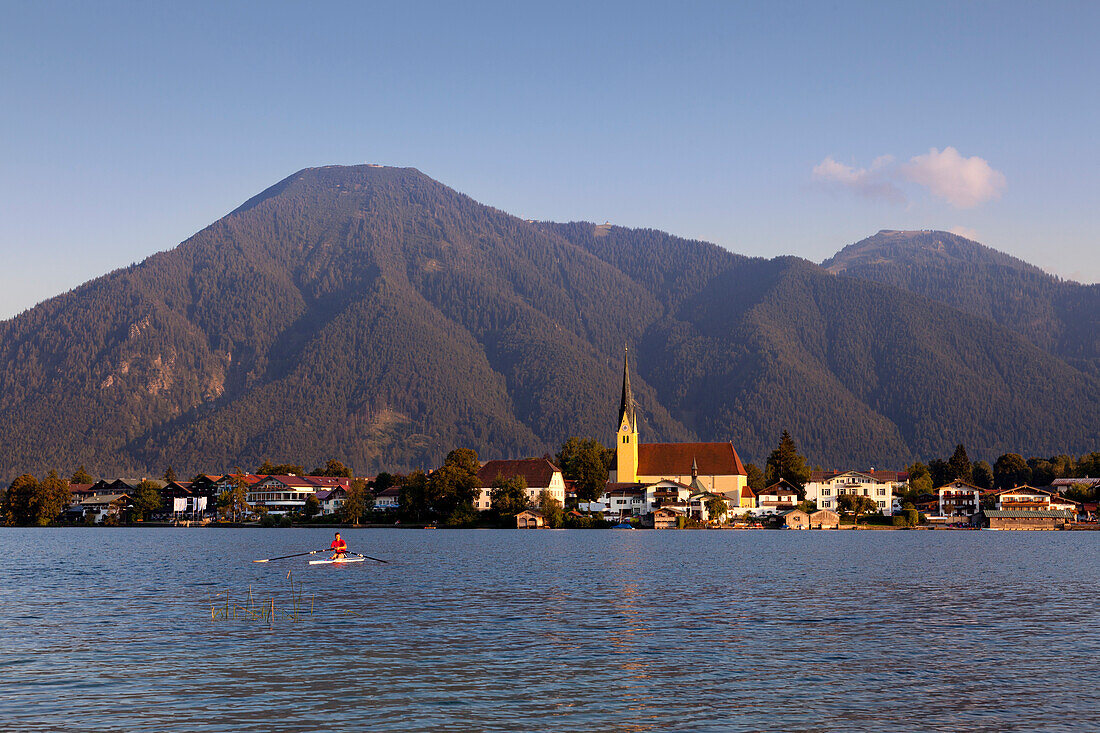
{"x":714,"y":467}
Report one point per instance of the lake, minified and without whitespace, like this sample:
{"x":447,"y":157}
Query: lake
{"x":111,"y":629}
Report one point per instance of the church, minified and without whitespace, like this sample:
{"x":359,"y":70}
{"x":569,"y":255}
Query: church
{"x":714,"y":467}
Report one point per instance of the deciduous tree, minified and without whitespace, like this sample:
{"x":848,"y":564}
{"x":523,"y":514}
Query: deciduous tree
{"x":146,"y":499}
{"x":585,"y":461}
{"x":755,"y":479}
{"x":357,"y":503}
{"x":982,"y":475}
{"x":552,"y":510}
{"x":1010,"y":471}
{"x":312,"y":507}
{"x":508,"y":496}
{"x":856,"y":505}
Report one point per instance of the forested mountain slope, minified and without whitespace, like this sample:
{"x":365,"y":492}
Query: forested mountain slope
{"x":375,"y":315}
{"x":1056,"y":315}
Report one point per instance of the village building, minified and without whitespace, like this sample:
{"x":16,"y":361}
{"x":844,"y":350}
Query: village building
{"x":795,"y":519}
{"x":824,"y":519}
{"x":387,"y":500}
{"x":331,"y":500}
{"x":1022,"y":498}
{"x":79,"y":492}
{"x":1023,"y":519}
{"x":621,"y":502}
{"x":530,"y":519}
{"x":715,"y":467}
{"x":778,"y":498}
{"x":280,"y":494}
{"x":662,"y":518}
{"x":824,"y":487}
{"x":958,"y":499}
{"x":539,"y":474}
{"x":102,"y":506}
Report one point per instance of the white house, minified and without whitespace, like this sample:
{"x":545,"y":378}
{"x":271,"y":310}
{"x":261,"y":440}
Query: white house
{"x":539,"y":473}
{"x":331,"y":499}
{"x":959,"y":499}
{"x":778,"y":498}
{"x":104,"y":505}
{"x":825,"y":487}
{"x":280,"y":494}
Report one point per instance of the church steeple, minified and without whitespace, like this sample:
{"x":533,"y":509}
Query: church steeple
{"x":626,"y":451}
{"x":626,"y":403}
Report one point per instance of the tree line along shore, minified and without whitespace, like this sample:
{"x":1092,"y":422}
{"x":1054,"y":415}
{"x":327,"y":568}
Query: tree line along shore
{"x":466,"y":491}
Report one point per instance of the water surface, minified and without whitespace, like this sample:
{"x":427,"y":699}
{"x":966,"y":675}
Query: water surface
{"x":110,"y":630}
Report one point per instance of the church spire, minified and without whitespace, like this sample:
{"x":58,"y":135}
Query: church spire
{"x":626,"y":404}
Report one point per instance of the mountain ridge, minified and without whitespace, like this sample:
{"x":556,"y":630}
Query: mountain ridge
{"x":377,"y":315}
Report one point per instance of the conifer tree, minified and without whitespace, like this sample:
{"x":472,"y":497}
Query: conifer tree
{"x":959,"y":464}
{"x":785,"y":462}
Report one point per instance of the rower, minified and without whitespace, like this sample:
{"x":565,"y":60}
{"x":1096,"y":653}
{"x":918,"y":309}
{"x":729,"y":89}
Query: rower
{"x":339,"y":548}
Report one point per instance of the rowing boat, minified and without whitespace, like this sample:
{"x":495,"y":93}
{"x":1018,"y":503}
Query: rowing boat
{"x":336,"y":562}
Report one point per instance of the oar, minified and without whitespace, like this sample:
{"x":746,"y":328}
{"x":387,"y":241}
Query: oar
{"x":297,"y":554}
{"x":368,"y":557}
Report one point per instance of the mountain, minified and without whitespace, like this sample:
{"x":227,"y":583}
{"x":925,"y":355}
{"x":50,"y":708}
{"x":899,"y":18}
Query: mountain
{"x":1056,"y":315}
{"x":375,"y":315}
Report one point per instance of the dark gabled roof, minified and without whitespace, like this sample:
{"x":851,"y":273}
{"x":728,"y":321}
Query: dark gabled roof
{"x":536,"y":471}
{"x":675,"y":459}
{"x":782,"y":486}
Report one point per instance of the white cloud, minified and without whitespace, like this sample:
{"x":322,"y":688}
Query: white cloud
{"x":873,"y":182}
{"x":962,"y":182}
{"x":965,"y":232}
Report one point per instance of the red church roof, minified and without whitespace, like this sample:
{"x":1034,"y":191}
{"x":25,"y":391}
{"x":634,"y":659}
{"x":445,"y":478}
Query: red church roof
{"x":675,"y":459}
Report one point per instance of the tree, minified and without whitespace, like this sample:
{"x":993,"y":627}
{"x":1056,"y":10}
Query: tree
{"x":146,"y":499}
{"x":1010,"y":471}
{"x":312,"y":507}
{"x":169,"y":474}
{"x":452,"y":488}
{"x":267,"y":468}
{"x":808,"y":506}
{"x":982,"y":475}
{"x":940,"y":472}
{"x":552,"y":510}
{"x":508,"y":496}
{"x":716,"y":508}
{"x":19,"y":498}
{"x":959,"y":464}
{"x":920,"y":481}
{"x":785,"y":462}
{"x":412,"y":499}
{"x":856,"y":505}
{"x":335,"y":469}
{"x":234,"y":502}
{"x":82,"y":477}
{"x":356,"y":502}
{"x":586,"y":462}
{"x":381,"y":482}
{"x":50,"y":499}
{"x":756,"y":480}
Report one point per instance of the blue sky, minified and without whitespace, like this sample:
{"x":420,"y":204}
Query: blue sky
{"x":768,"y":128}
